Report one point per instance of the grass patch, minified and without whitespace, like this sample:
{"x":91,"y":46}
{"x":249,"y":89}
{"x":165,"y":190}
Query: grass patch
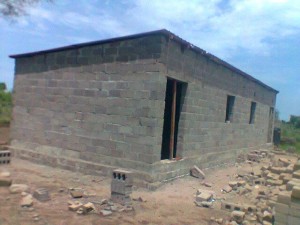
{"x":5,"y":107}
{"x":290,"y":137}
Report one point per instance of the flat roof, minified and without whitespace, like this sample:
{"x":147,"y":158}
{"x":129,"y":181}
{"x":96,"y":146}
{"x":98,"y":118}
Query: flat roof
{"x":160,"y":32}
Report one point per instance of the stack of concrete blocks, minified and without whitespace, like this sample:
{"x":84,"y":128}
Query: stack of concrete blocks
{"x":121,"y":186}
{"x":287,"y":207}
{"x":5,"y":157}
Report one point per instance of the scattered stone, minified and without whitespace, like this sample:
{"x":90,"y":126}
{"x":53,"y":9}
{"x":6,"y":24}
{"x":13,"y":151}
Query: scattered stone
{"x":18,"y":188}
{"x":139,"y":199}
{"x":41,"y":194}
{"x":76,"y":193}
{"x":88,"y":194}
{"x":238,"y":216}
{"x":104,"y":201}
{"x":35,"y":215}
{"x":285,"y":161}
{"x":75,"y":206}
{"x":233,"y":184}
{"x":114,"y":208}
{"x":88,"y":207}
{"x":282,"y":188}
{"x":297,"y":166}
{"x":264,"y":168}
{"x":204,"y":196}
{"x":227,"y":189}
{"x":241,"y":183}
{"x":199,"y":191}
{"x":246,"y":222}
{"x":253,"y":157}
{"x":278,"y":170}
{"x":196,"y":172}
{"x":24,"y":193}
{"x":233,"y":223}
{"x":5,"y":174}
{"x":219,"y":221}
{"x":128,"y":208}
{"x":207,"y":184}
{"x":206,"y":204}
{"x":80,"y":211}
{"x":5,"y":181}
{"x":105,"y":212}
{"x":26,"y":201}
{"x":267,"y":216}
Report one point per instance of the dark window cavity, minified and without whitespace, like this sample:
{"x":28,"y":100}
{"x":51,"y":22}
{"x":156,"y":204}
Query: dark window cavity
{"x":252,"y":112}
{"x":229,"y":108}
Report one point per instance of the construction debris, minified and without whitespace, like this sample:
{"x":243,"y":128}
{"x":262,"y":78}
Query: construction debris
{"x":76,"y":192}
{"x":41,"y":194}
{"x":18,"y":188}
{"x":27,"y":201}
{"x":196,"y":172}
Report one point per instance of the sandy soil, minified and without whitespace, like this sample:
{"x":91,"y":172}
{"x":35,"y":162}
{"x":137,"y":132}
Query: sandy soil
{"x":173,"y":203}
{"x":4,"y":134}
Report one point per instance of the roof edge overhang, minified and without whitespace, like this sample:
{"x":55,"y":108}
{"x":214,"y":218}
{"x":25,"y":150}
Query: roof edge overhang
{"x":164,"y":32}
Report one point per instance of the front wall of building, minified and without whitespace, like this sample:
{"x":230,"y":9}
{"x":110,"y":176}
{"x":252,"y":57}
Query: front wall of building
{"x":104,"y":112}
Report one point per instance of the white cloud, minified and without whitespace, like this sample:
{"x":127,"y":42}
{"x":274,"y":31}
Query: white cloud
{"x":222,"y":27}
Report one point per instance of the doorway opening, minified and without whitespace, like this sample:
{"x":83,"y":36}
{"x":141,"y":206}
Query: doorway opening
{"x":175,"y":92}
{"x":270,"y":125}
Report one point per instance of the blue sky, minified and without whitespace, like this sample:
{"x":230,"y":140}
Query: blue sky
{"x":261,"y":38}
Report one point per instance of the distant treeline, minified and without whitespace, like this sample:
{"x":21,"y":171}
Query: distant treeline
{"x":294,"y":121}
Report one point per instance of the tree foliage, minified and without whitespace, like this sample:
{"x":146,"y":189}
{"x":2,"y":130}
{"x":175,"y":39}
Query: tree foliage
{"x":5,"y":105}
{"x":295,"y":121}
{"x":15,"y":8}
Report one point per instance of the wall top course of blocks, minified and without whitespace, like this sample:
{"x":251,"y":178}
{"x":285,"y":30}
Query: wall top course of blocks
{"x":122,"y":49}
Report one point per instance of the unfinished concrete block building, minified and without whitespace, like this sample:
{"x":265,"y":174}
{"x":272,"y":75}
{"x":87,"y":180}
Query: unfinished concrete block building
{"x":152,"y":103}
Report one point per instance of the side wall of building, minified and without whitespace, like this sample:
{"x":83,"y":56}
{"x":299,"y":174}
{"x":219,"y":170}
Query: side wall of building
{"x":203,"y":132}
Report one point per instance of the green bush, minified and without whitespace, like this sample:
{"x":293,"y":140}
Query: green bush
{"x":290,"y":136}
{"x":5,"y":105}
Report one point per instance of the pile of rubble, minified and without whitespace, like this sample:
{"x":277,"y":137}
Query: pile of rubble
{"x":273,"y":193}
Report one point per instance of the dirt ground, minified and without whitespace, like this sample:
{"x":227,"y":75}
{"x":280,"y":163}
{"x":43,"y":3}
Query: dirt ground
{"x":173,"y":203}
{"x":4,"y":134}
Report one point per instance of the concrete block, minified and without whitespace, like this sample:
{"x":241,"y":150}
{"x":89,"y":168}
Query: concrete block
{"x":296,"y":192}
{"x":5,"y":157}
{"x":238,"y":216}
{"x":41,"y":194}
{"x":121,"y":199}
{"x":284,"y":198}
{"x":196,"y":172}
{"x":294,"y":211}
{"x":296,"y":174}
{"x":281,"y":208}
{"x":292,"y":183}
{"x":253,"y":157}
{"x":5,"y":181}
{"x":293,"y":220}
{"x":285,"y":161}
{"x":297,"y":165}
{"x":120,"y":187}
{"x":281,"y":218}
{"x":204,"y":196}
{"x":18,"y":188}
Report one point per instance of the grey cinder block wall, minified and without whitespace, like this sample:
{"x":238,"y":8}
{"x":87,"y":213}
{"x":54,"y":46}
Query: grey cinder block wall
{"x":98,"y":106}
